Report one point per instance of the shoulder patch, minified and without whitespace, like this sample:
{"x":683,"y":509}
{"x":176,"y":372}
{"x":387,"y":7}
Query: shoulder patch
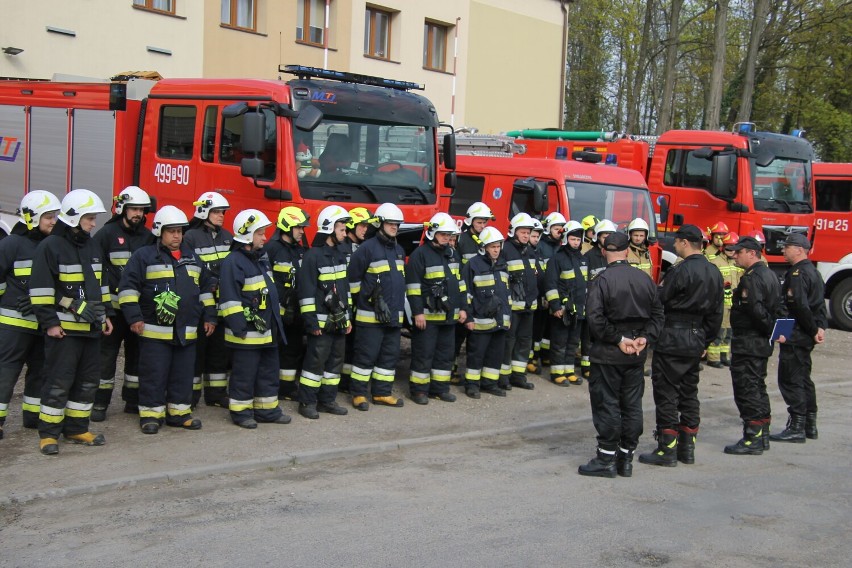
{"x":795,"y":272}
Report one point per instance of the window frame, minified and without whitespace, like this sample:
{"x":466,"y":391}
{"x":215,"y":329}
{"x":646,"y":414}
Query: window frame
{"x":369,"y":33}
{"x":430,"y":28}
{"x":148,"y":6}
{"x":162,"y":131}
{"x":234,"y":4}
{"x":306,"y":21}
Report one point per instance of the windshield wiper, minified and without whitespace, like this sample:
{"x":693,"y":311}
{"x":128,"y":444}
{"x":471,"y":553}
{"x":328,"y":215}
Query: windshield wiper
{"x":417,"y":190}
{"x":790,"y":202}
{"x":362,"y":187}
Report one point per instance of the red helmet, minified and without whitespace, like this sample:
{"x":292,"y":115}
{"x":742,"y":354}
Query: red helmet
{"x":730,"y":239}
{"x":719,"y":227}
{"x":758,"y":236}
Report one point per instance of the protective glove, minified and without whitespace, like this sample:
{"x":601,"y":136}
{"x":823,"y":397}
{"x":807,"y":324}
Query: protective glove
{"x":166,"y":307}
{"x":254,"y":319}
{"x":82,"y":310}
{"x":25,"y":305}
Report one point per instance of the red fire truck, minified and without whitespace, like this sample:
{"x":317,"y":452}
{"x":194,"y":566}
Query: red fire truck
{"x":261,"y":143}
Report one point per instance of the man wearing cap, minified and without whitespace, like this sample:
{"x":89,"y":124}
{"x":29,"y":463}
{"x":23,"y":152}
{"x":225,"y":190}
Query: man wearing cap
{"x":755,"y":306}
{"x":624,"y":316}
{"x":692,"y":296}
{"x":803,"y":298}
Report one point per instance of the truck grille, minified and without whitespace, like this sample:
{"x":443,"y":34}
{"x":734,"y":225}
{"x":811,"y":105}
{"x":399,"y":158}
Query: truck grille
{"x":777,"y":234}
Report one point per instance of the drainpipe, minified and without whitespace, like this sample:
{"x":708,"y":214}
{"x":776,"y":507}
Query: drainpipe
{"x":562,"y":78}
{"x":455,"y":63}
{"x":325,"y":35}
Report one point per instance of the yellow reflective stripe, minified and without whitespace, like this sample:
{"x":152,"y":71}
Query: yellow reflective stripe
{"x":156,"y":412}
{"x":266,"y":402}
{"x":252,"y":338}
{"x":74,"y":413}
{"x":152,"y":331}
{"x":254,"y":286}
{"x":378,"y":267}
{"x":13,"y":317}
{"x":68,"y":277}
{"x":567,"y":275}
{"x":19,"y":272}
{"x":75,"y":326}
{"x":128,"y":297}
{"x":231,"y":310}
{"x":238,"y":405}
{"x":332,"y":276}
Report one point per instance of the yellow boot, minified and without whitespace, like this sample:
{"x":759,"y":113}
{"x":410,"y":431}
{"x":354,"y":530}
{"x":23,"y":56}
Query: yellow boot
{"x":388,"y":401}
{"x":87,"y":439}
{"x":360,"y":402}
{"x":48,"y":446}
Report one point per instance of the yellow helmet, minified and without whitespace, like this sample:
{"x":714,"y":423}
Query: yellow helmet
{"x":290,"y":217}
{"x":359,"y":215}
{"x":589,"y":221}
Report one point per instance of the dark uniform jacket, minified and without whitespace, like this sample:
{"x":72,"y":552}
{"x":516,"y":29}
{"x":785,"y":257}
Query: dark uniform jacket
{"x":16,"y":263}
{"x":286,"y":259}
{"x":692,"y":294}
{"x":803,"y":297}
{"x":209,"y":247}
{"x":622,"y":302}
{"x":379,"y":261}
{"x":117,"y":243}
{"x":153,"y":270}
{"x":756,"y":305}
{"x":246,"y":282}
{"x":321,"y":276}
{"x":523,"y":281}
{"x":68,"y":265}
{"x":547,"y":247}
{"x":468,"y":245}
{"x":565,"y":282}
{"x":487,"y":285}
{"x":433,"y":284}
{"x":595,"y":261}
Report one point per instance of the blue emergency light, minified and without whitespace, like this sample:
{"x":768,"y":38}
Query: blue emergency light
{"x":305,"y":72}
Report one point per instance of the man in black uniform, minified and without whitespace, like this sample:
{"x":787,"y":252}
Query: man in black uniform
{"x":595,"y":263}
{"x":756,"y":304}
{"x":692,"y":295}
{"x":803,"y":296}
{"x":624,"y":315}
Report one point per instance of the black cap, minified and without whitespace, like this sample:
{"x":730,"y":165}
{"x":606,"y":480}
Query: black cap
{"x":797,"y":240}
{"x":616,"y":242}
{"x":689,"y":233}
{"x":746,"y":243}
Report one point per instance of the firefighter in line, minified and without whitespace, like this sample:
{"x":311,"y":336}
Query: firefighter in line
{"x":625,"y":317}
{"x":692,"y":296}
{"x":717,"y":234}
{"x":489,"y":315}
{"x":719,"y":352}
{"x":325,"y":305}
{"x":357,"y":229}
{"x":637,"y":252}
{"x":285,"y":251}
{"x":540,"y":334}
{"x":565,"y":285}
{"x":21,"y":339}
{"x":212,"y":244}
{"x":164,"y":292}
{"x":551,"y":241}
{"x":803,"y":297}
{"x":589,"y":223}
{"x":755,"y":307}
{"x":71,"y":300}
{"x":249,"y":303}
{"x":523,"y":286}
{"x":595,"y":264}
{"x":119,"y":238}
{"x":438,"y":300}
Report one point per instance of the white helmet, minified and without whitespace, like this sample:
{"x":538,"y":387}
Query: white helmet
{"x":487,"y":236}
{"x":441,"y":223}
{"x":569,"y":228}
{"x":132,"y":196}
{"x":537,"y":226}
{"x":207,"y":201}
{"x":329,"y":216}
{"x":247,"y":222}
{"x":605,"y":226}
{"x":555,"y":218}
{"x":168,"y":216}
{"x":35,"y":204}
{"x":77,"y":203}
{"x":638,"y":224}
{"x":478,"y":210}
{"x":388,"y":213}
{"x":519,"y":221}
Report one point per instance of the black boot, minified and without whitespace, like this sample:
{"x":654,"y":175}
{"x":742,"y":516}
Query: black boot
{"x":686,"y":444}
{"x":751,"y":443}
{"x":811,"y":432}
{"x":795,"y":431}
{"x":624,"y":462}
{"x":725,"y":359}
{"x":601,"y":466}
{"x":666,"y":452}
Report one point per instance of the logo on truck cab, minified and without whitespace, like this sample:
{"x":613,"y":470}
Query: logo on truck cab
{"x":324,"y":97}
{"x":9,"y":148}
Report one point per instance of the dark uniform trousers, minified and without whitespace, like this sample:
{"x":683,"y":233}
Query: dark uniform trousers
{"x":432,"y":358}
{"x":748,"y":375}
{"x":253,"y":388}
{"x":616,"y":396}
{"x":67,"y":399}
{"x":290,"y":354}
{"x":484,"y":356}
{"x":110,"y":346}
{"x":794,"y":379}
{"x":517,"y":350}
{"x":165,"y":379}
{"x":321,"y":368}
{"x":212,"y":360}
{"x":564,"y":341}
{"x":17,"y":348}
{"x":376,"y":355}
{"x":348,"y":354}
{"x":675,"y":381}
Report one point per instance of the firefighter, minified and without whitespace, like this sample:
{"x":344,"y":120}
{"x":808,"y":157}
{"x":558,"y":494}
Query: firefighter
{"x":540,"y":334}
{"x":249,"y":303}
{"x":554,"y":225}
{"x":212,"y":244}
{"x":523,"y":285}
{"x":477,"y":217}
{"x":589,"y":222}
{"x":637,"y":252}
{"x":755,"y":306}
{"x":595,"y":264}
{"x":438,"y":300}
{"x":119,"y":238}
{"x":164,"y":292}
{"x":285,"y":251}
{"x":719,"y":352}
{"x":21,"y":340}
{"x":325,"y":305}
{"x":717,"y":233}
{"x":357,"y":229}
{"x":565,"y":285}
{"x":489,"y":315}
{"x":625,"y":317}
{"x":803,"y":296}
{"x":377,"y":282}
{"x":71,"y":300}
{"x":692,"y":297}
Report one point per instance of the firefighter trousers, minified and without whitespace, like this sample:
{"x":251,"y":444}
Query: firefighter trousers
{"x":432,"y":358}
{"x":794,"y":379}
{"x":516,"y":353}
{"x":321,"y":368}
{"x":484,"y":356}
{"x":541,"y":335}
{"x":165,"y":380}
{"x":17,"y":349}
{"x":110,"y":347}
{"x":253,"y":387}
{"x":564,"y":341}
{"x":348,"y":354}
{"x":376,"y":355}
{"x":290,"y":355}
{"x":748,"y":375}
{"x":616,"y":393}
{"x":68,"y":393}
{"x":212,"y":360}
{"x":675,"y":383}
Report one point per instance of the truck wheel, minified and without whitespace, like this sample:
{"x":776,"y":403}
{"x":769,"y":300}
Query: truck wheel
{"x":840,"y":305}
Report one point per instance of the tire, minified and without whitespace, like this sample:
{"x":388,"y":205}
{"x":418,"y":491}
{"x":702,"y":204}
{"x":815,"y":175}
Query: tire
{"x":840,"y":305}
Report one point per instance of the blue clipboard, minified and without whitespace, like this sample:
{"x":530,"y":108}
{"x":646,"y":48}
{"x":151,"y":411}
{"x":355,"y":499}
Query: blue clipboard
{"x":782,"y":327}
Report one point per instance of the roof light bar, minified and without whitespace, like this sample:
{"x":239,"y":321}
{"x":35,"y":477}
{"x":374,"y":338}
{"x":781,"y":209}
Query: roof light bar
{"x":304,"y":72}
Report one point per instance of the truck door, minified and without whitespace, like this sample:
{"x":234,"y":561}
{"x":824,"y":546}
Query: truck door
{"x":469,"y":190}
{"x":833,"y":216}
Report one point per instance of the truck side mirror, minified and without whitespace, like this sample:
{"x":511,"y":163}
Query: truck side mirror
{"x":309,"y":118}
{"x":663,"y":202}
{"x":254,"y":132}
{"x":252,"y":167}
{"x":540,"y":197}
{"x":705,"y":153}
{"x":450,"y":180}
{"x":721,"y":183}
{"x":450,"y":151}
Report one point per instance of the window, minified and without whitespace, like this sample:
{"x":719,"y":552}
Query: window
{"x":167,"y":6}
{"x":683,"y":169}
{"x":240,"y":14}
{"x":231,"y":144}
{"x":468,"y":191}
{"x":377,"y":33}
{"x":208,"y":141}
{"x":620,"y":204}
{"x":435,"y":46}
{"x":310,"y":21}
{"x":177,"y":132}
{"x":834,"y":195}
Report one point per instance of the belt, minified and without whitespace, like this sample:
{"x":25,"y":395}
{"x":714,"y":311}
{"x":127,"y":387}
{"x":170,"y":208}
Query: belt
{"x":675,"y":324}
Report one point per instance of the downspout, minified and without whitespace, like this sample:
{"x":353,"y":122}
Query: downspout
{"x":563,"y":6}
{"x":325,"y":35}
{"x":455,"y":63}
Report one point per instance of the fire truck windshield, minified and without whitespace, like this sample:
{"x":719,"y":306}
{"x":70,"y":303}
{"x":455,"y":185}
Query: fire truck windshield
{"x":784,"y":185}
{"x":366,"y":162}
{"x":617,"y":203}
